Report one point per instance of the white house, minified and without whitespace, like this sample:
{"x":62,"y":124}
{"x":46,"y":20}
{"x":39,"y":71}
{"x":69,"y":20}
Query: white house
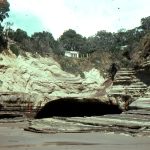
{"x":123,"y":47}
{"x":74,"y":54}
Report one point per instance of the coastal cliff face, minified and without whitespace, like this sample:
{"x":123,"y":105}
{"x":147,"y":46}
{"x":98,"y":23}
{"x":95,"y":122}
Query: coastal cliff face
{"x":36,"y":84}
{"x":42,"y":75}
{"x":131,"y":88}
{"x":135,"y":80}
{"x":31,"y":82}
{"x":27,"y":82}
{"x":141,"y":54}
{"x":141,"y":62}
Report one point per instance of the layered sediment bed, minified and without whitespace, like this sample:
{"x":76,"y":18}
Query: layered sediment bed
{"x":126,"y":82}
{"x":132,"y":122}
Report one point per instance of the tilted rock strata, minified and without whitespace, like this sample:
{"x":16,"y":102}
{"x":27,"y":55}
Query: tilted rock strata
{"x":133,"y":123}
{"x":142,"y":102}
{"x":28,"y":83}
{"x":126,"y":84}
{"x":42,"y":76}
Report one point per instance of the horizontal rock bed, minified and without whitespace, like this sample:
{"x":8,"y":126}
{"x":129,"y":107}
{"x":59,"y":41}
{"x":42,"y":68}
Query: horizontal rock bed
{"x":133,"y":122}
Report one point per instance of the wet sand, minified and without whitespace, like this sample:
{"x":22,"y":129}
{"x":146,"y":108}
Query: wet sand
{"x":13,"y":136}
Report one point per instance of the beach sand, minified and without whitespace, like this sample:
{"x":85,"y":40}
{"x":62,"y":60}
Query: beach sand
{"x":13,"y":136}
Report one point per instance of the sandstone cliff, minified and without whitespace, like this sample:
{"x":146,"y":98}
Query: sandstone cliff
{"x":36,"y":81}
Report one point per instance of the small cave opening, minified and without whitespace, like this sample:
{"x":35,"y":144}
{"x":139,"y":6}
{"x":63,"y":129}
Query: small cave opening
{"x":144,"y":76}
{"x":68,"y":107}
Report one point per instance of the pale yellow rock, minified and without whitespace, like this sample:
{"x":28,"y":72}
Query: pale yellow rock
{"x":44,"y":76}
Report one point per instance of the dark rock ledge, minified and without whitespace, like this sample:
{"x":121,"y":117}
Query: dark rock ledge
{"x":128,"y":122}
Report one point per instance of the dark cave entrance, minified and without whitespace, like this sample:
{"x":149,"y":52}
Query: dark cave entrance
{"x":144,"y":76}
{"x":68,"y":107}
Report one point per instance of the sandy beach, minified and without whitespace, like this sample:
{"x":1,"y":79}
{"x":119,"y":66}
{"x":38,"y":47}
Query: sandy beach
{"x":13,"y":136}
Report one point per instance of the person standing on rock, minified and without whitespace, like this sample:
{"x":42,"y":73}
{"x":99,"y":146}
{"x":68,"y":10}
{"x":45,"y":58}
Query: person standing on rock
{"x":113,"y":70}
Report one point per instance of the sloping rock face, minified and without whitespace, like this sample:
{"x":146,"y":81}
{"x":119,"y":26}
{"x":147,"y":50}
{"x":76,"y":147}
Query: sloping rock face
{"x":141,"y":59}
{"x":27,"y":84}
{"x":42,"y":76}
{"x":143,"y":102}
{"x":127,"y":86}
{"x":141,"y":63}
{"x":141,"y":55}
{"x":126,"y":82}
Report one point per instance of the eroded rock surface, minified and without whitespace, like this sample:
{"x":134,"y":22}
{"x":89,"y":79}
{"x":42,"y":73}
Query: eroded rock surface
{"x":131,"y":122}
{"x":28,"y":83}
{"x":126,"y":82}
{"x":127,"y":87}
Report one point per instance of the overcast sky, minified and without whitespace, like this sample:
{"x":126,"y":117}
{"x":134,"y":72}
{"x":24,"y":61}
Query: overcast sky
{"x":85,"y":16}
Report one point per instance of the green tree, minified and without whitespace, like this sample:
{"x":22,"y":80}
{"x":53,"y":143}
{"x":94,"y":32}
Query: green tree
{"x":72,"y":41}
{"x":4,"y":8}
{"x":11,"y":34}
{"x":145,"y":23}
{"x":121,"y":37}
{"x":43,"y":42}
{"x":102,"y":41}
{"x":105,"y":40}
{"x":20,"y":35}
{"x":8,"y":29}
